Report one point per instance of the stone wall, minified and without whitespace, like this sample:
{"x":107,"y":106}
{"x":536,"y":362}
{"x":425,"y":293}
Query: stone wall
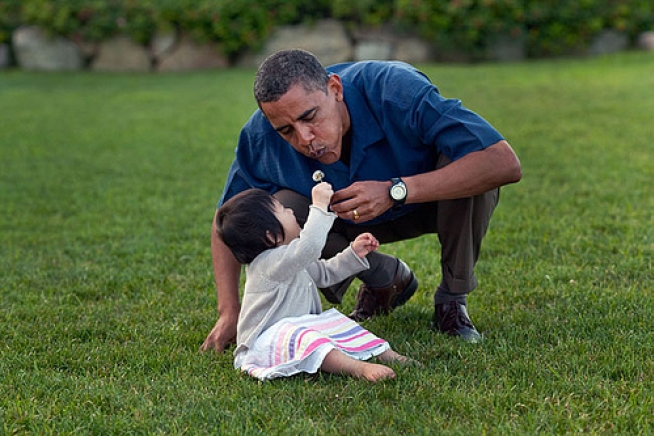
{"x":33,"y":49}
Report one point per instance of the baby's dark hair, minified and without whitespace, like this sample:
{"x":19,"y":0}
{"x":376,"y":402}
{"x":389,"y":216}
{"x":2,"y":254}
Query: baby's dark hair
{"x":247,"y":224}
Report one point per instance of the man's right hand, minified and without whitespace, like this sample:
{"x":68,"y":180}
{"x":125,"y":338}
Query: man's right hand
{"x":222,"y":335}
{"x":226,"y":274}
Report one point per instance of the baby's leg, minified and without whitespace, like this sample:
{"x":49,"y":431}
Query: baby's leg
{"x":339,"y":363}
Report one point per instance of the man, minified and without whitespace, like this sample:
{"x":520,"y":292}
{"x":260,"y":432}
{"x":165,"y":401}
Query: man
{"x":403,"y":160}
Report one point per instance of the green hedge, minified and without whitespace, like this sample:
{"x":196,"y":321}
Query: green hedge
{"x":559,"y":27}
{"x":549,"y":27}
{"x":465,"y":25}
{"x":236,"y":24}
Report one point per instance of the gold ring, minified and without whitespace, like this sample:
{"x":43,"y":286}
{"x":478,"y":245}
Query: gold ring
{"x":356,"y":214}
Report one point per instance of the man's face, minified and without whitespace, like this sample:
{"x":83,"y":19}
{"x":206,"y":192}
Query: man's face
{"x":312,"y":122}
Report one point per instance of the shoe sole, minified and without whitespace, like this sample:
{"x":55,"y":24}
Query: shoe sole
{"x":407,"y":293}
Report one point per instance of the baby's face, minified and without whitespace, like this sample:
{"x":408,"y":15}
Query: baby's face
{"x":287,"y":218}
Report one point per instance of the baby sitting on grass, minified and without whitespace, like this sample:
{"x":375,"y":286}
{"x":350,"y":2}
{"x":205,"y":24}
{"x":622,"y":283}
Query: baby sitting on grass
{"x":281,"y":329}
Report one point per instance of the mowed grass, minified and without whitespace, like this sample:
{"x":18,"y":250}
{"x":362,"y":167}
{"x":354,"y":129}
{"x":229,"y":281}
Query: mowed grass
{"x":108,"y":184}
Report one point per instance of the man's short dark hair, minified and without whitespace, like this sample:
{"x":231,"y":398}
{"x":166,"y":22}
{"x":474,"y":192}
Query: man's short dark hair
{"x":287,"y":68}
{"x":247,"y":224}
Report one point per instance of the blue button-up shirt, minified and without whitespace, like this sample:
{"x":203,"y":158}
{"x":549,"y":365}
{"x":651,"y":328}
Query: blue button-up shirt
{"x":399,"y":125}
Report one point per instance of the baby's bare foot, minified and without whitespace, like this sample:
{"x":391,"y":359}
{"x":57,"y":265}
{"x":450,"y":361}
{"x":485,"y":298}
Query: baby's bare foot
{"x":374,"y":372}
{"x":390,"y":356}
{"x":337,"y":362}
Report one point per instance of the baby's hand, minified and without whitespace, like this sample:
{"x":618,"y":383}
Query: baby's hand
{"x":321,"y":195}
{"x":364,"y":244}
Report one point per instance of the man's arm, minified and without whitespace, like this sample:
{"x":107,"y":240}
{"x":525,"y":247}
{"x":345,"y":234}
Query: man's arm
{"x":473,"y":174}
{"x":227,"y":272}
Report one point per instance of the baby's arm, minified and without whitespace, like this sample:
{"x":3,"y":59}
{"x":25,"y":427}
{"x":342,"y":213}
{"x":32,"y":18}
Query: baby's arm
{"x":347,"y":263}
{"x":364,"y":244}
{"x":321,"y":194}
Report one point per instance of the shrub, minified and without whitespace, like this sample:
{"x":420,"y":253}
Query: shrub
{"x":236,"y":24}
{"x":92,"y":20}
{"x":465,"y":25}
{"x":550,"y":27}
{"x":364,"y":12}
{"x":558,"y":27}
{"x":9,"y":18}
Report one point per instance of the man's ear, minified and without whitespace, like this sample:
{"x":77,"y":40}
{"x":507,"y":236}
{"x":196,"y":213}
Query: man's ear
{"x":335,"y":86}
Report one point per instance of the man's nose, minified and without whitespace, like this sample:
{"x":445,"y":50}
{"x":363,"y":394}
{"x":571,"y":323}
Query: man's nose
{"x":305,"y":136}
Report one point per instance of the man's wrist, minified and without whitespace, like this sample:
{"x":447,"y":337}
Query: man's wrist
{"x":229,"y":311}
{"x":397,"y":192}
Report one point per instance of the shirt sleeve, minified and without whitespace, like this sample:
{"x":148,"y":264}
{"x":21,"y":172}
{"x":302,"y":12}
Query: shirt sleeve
{"x":411,"y":100}
{"x":234,"y":184}
{"x":454,"y":129}
{"x":331,"y":271}
{"x":304,"y":250}
{"x":242,"y":173}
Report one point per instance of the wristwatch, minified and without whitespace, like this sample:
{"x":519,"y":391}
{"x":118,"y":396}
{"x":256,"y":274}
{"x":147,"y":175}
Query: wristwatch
{"x":397,"y":192}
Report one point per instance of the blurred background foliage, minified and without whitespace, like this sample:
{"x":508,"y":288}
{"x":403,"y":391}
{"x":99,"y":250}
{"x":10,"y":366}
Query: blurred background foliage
{"x":548,"y":27}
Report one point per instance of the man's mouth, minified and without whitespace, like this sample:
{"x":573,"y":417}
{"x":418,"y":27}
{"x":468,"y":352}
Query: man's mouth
{"x":317,"y":154}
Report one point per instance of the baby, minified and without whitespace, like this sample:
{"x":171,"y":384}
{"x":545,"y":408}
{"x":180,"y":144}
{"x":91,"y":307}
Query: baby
{"x":281,"y":329}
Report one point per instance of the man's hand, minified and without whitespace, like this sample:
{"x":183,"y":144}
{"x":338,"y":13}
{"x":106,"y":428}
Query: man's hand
{"x":227,"y":272}
{"x":222,"y":335}
{"x":369,"y":199}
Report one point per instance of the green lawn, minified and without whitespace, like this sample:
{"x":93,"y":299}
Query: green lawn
{"x":108,"y":184}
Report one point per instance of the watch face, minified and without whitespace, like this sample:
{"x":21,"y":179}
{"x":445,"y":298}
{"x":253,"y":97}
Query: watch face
{"x":398,"y":192}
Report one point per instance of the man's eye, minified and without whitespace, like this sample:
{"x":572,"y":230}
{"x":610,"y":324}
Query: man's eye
{"x":310,"y":116}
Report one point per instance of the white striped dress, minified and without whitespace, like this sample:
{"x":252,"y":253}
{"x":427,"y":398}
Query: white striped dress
{"x":300,"y":344}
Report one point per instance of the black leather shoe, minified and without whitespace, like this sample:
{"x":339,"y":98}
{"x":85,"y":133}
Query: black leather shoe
{"x":381,"y":301}
{"x":452,"y":319}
